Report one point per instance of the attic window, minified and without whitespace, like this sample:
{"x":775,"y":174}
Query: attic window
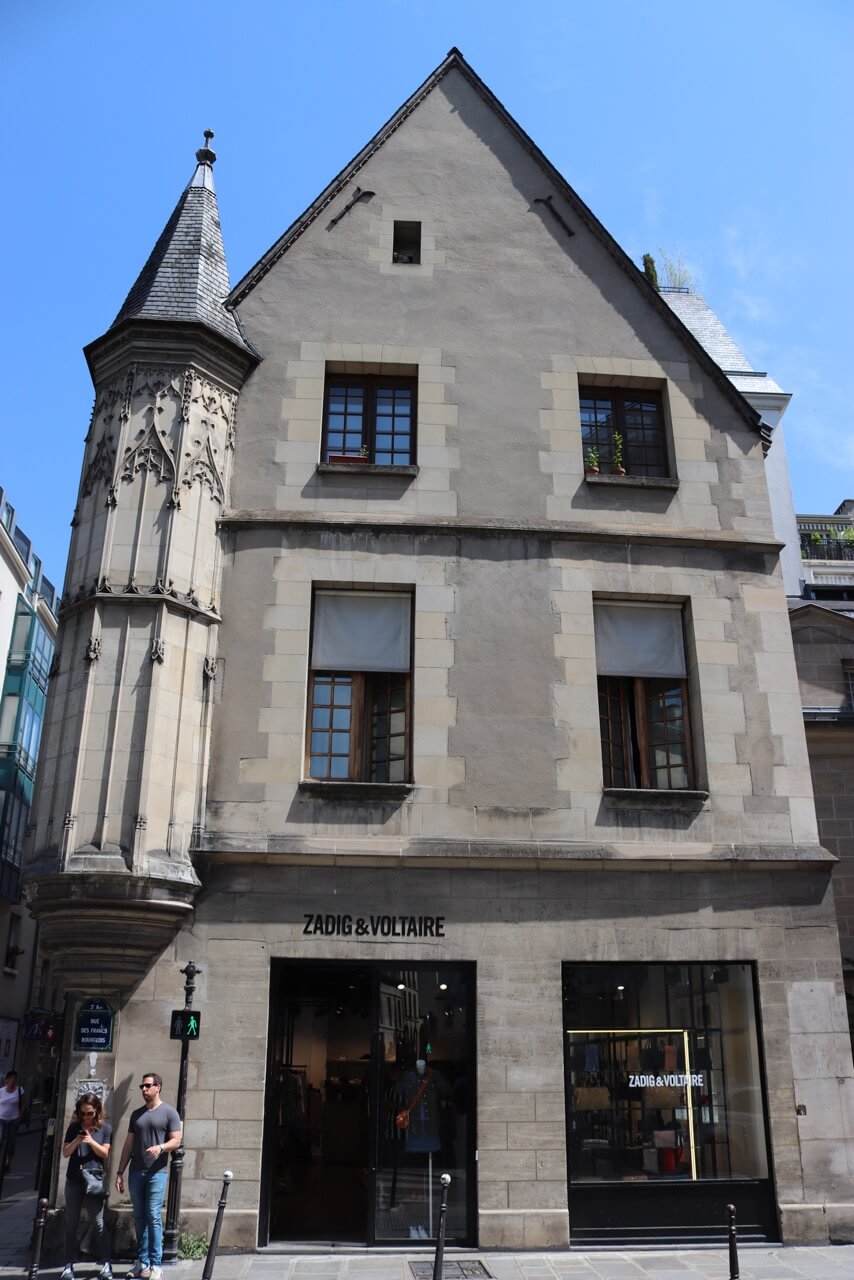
{"x":407,"y":243}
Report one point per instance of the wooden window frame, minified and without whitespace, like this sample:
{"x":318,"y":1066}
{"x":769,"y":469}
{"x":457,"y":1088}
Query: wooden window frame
{"x":360,"y":758}
{"x":618,"y":396}
{"x":371,"y":383}
{"x":634,"y":739}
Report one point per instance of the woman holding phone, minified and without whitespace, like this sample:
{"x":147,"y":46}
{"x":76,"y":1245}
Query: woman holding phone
{"x":87,"y":1150}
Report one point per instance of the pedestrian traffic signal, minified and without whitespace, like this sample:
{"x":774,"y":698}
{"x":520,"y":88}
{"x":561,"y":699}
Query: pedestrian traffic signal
{"x":185,"y":1024}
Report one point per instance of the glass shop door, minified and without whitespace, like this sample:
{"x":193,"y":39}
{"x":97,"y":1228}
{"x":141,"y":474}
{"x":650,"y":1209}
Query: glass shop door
{"x":425,"y":1103}
{"x":370,"y":1099}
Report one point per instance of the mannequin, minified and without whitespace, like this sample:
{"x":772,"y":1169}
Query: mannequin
{"x":422,"y":1092}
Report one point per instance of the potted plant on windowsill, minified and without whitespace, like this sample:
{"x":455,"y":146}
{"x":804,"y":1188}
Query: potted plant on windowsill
{"x":591,"y":461}
{"x":353,"y":459}
{"x":617,"y":468}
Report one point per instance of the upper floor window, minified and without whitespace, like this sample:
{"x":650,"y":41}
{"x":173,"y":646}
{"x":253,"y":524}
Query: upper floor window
{"x":643,"y":696}
{"x":623,"y":430}
{"x":369,"y":418}
{"x":407,"y":243}
{"x":359,"y":703}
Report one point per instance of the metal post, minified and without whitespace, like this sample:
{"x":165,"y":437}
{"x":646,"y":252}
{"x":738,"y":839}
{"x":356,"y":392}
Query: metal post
{"x":440,"y":1239}
{"x":210,"y":1257}
{"x":38,"y":1236}
{"x":733,"y":1243}
{"x":3,"y":1151}
{"x":176,"y":1164}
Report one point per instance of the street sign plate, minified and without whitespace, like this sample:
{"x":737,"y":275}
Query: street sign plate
{"x":93,"y":1027}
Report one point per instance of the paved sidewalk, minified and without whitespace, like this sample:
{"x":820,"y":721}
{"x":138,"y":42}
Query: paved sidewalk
{"x":830,"y":1263}
{"x":18,"y":1207}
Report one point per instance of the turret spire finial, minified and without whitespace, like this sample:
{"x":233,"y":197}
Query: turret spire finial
{"x":204,"y":155}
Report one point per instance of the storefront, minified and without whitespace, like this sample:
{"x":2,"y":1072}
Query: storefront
{"x":666,"y":1119}
{"x":370,"y":1098}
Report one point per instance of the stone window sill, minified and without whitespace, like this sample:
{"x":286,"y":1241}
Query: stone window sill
{"x":364,"y":469}
{"x":635,"y":482}
{"x":371,"y":791}
{"x":639,"y":797}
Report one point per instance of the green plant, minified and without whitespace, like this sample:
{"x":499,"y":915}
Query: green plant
{"x":591,"y":458}
{"x":649,"y":270}
{"x":192,"y":1247}
{"x":364,"y":452}
{"x":617,"y":457}
{"x":816,"y":538}
{"x":847,"y":535}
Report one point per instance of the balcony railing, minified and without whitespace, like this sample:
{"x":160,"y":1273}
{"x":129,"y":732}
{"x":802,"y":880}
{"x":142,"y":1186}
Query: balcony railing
{"x":827,"y":549}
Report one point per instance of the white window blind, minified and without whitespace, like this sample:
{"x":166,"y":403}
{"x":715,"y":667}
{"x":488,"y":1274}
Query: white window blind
{"x":361,"y":631}
{"x":639,"y":640}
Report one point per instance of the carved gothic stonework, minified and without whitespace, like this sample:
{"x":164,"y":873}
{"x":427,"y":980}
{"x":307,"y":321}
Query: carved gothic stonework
{"x":101,"y":466}
{"x":210,"y":668}
{"x":158,"y":649}
{"x":93,"y":649}
{"x":208,"y":435}
{"x":155,"y":402}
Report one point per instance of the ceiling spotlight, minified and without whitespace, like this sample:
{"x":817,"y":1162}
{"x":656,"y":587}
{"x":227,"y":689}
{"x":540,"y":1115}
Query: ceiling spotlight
{"x":401,"y":986}
{"x":621,"y":988}
{"x":443,"y":986}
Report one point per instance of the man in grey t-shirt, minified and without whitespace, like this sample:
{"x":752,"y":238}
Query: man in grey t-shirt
{"x":154,"y":1131}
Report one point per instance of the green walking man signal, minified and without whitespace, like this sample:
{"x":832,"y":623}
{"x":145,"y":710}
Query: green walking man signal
{"x":185,"y":1024}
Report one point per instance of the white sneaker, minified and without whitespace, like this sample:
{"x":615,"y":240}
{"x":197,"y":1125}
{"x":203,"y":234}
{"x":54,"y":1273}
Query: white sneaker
{"x":156,"y":1273}
{"x":68,"y":1273}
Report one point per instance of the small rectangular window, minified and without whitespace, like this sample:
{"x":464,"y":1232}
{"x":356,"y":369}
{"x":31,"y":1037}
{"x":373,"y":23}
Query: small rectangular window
{"x":643,"y":697}
{"x":359,"y":716}
{"x":407,"y":243}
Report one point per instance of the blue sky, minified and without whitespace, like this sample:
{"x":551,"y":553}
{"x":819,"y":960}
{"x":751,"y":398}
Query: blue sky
{"x":720,"y":132}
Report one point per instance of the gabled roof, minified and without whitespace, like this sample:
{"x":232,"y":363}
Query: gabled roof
{"x":696,"y":314}
{"x":455,"y":60}
{"x":186,"y":276}
{"x":815,"y":611}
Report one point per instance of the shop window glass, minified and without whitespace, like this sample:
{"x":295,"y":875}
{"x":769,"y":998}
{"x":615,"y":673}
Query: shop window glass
{"x":663,"y":1075}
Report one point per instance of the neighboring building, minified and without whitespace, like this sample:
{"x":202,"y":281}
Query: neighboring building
{"x":817,"y":560}
{"x":28,"y":608}
{"x":823,"y":632}
{"x":473,"y":778}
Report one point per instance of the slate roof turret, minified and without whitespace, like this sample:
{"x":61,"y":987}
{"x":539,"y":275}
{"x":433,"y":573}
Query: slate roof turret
{"x":186,"y":276}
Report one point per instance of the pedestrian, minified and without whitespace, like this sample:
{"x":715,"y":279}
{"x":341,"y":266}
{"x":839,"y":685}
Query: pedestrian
{"x":154,"y":1131}
{"x":87,"y":1149}
{"x":13,"y":1108}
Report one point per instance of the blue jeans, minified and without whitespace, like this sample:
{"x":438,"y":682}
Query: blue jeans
{"x":146,"y":1192}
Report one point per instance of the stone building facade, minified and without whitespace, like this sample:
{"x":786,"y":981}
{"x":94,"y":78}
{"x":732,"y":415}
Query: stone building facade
{"x":28,"y":626}
{"x":442,"y":708}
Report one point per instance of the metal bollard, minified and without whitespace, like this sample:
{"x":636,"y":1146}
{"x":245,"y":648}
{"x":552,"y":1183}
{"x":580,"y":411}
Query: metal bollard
{"x":733,"y":1243}
{"x":440,"y":1239}
{"x":38,"y":1236}
{"x":210,"y":1257}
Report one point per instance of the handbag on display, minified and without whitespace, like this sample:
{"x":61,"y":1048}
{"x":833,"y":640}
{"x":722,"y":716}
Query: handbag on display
{"x":662,"y":1097}
{"x":590,"y":1095}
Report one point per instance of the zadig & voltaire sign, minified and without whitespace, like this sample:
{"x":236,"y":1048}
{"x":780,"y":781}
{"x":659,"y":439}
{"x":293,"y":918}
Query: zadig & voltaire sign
{"x":318,"y":924}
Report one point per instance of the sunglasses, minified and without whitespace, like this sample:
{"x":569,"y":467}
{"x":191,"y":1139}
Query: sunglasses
{"x":87,"y":1113}
{"x":148,"y":1086}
